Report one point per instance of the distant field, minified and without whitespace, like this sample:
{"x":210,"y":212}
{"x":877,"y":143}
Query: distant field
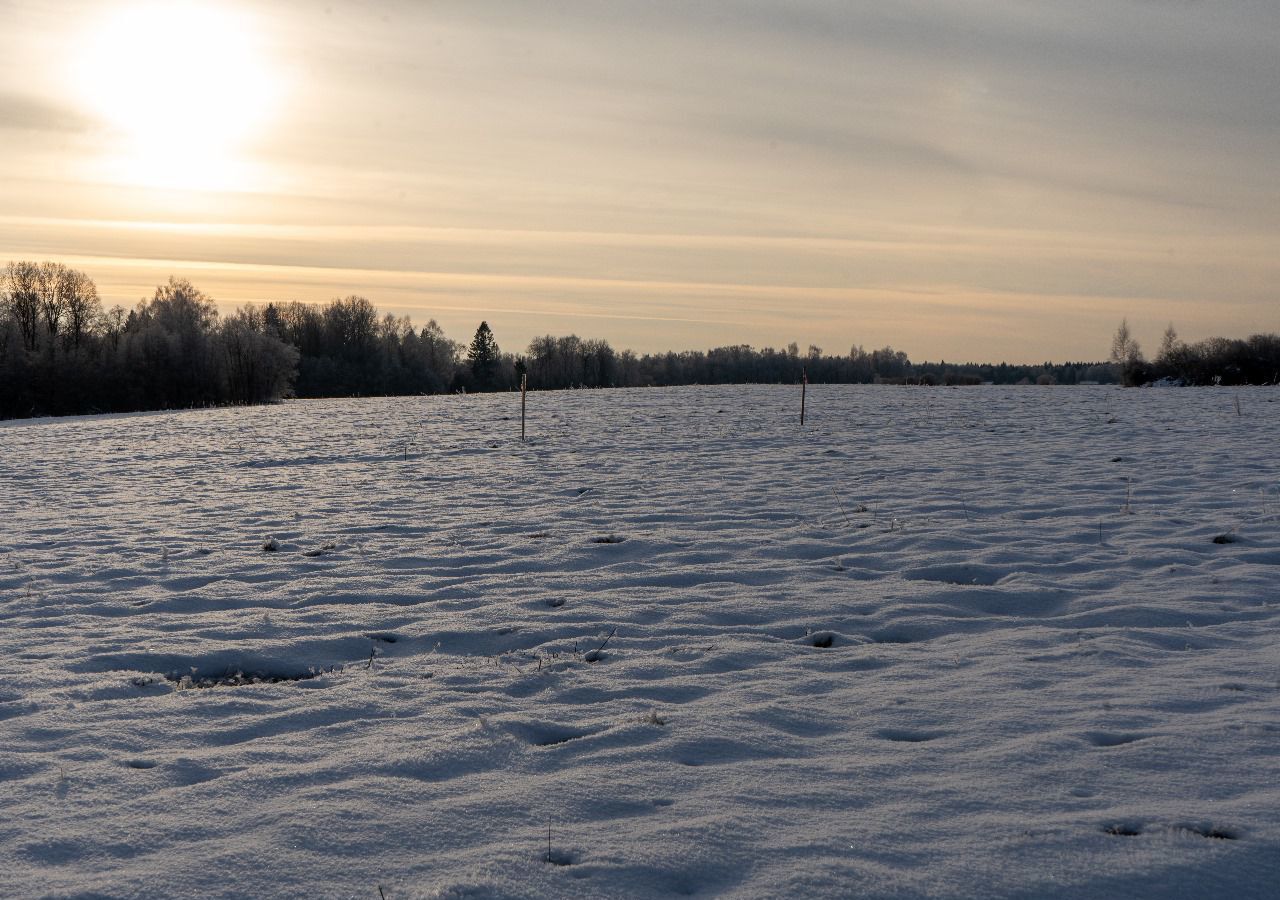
{"x":978,"y":642}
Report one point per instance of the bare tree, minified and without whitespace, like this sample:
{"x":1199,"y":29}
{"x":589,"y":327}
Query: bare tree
{"x":1126,"y":354}
{"x":55,"y":280}
{"x":1169,"y":343}
{"x":21,"y":296}
{"x":81,"y":307}
{"x":1124,"y":347}
{"x":112,"y":323}
{"x":353,"y":324}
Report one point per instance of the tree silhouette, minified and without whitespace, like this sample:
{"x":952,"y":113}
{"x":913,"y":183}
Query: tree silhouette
{"x":1126,"y":354}
{"x":483,"y":356}
{"x":22,"y":290}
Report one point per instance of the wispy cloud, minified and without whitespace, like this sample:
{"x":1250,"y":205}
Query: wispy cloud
{"x":27,"y":112}
{"x":963,"y":172}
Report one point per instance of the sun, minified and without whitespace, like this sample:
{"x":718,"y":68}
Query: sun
{"x":182,"y":88}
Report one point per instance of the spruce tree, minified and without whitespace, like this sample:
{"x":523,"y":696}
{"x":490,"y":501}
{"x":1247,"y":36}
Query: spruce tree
{"x":483,"y":357}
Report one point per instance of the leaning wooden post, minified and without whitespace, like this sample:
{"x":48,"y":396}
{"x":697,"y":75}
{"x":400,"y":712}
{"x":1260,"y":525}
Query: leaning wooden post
{"x":524,"y":384}
{"x":804,"y":387}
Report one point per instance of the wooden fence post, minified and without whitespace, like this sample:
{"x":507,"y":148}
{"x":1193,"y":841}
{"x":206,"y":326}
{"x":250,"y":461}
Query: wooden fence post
{"x":804,"y":388}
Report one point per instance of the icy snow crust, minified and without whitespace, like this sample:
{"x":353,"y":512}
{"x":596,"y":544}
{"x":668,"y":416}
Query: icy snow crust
{"x":938,"y":643}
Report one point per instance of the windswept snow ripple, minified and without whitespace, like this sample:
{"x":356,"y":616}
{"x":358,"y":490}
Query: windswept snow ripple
{"x":937,"y":643}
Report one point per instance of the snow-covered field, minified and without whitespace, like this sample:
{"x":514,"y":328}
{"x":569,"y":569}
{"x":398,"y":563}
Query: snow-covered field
{"x":938,"y":643}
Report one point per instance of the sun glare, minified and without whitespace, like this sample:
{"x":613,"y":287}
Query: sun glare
{"x":183,"y":87}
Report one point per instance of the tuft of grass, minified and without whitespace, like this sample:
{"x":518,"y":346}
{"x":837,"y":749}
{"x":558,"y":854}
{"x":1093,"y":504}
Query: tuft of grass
{"x":598,"y":654}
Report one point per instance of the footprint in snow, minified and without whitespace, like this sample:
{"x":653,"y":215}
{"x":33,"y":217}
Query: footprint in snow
{"x":1133,"y":828}
{"x":909,"y":735}
{"x":1123,"y":829}
{"x":963,"y":575}
{"x":1212,"y":832}
{"x":1112,"y":739}
{"x":547,"y":734}
{"x":892,"y":637}
{"x":557,"y":857}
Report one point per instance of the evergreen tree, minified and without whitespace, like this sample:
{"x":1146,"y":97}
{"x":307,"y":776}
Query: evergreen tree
{"x":483,"y":357}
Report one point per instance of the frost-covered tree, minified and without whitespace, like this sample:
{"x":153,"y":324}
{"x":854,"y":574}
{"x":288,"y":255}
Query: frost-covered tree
{"x":1169,"y":343}
{"x":1123,"y":345}
{"x":1173,"y":360}
{"x":1126,"y":355}
{"x":256,"y":365}
{"x":439,"y":356}
{"x":181,"y":307}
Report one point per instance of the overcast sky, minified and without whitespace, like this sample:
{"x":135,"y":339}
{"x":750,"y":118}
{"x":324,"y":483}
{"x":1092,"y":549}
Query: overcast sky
{"x":985,"y":179}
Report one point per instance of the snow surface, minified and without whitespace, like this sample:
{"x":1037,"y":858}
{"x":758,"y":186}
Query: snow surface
{"x":938,"y":643}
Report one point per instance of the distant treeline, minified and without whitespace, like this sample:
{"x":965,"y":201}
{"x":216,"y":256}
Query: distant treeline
{"x":62,"y":353}
{"x":1222,"y":361}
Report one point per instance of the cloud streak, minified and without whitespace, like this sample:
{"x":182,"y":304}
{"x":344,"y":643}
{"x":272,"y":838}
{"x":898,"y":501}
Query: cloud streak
{"x":1033,"y":165}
